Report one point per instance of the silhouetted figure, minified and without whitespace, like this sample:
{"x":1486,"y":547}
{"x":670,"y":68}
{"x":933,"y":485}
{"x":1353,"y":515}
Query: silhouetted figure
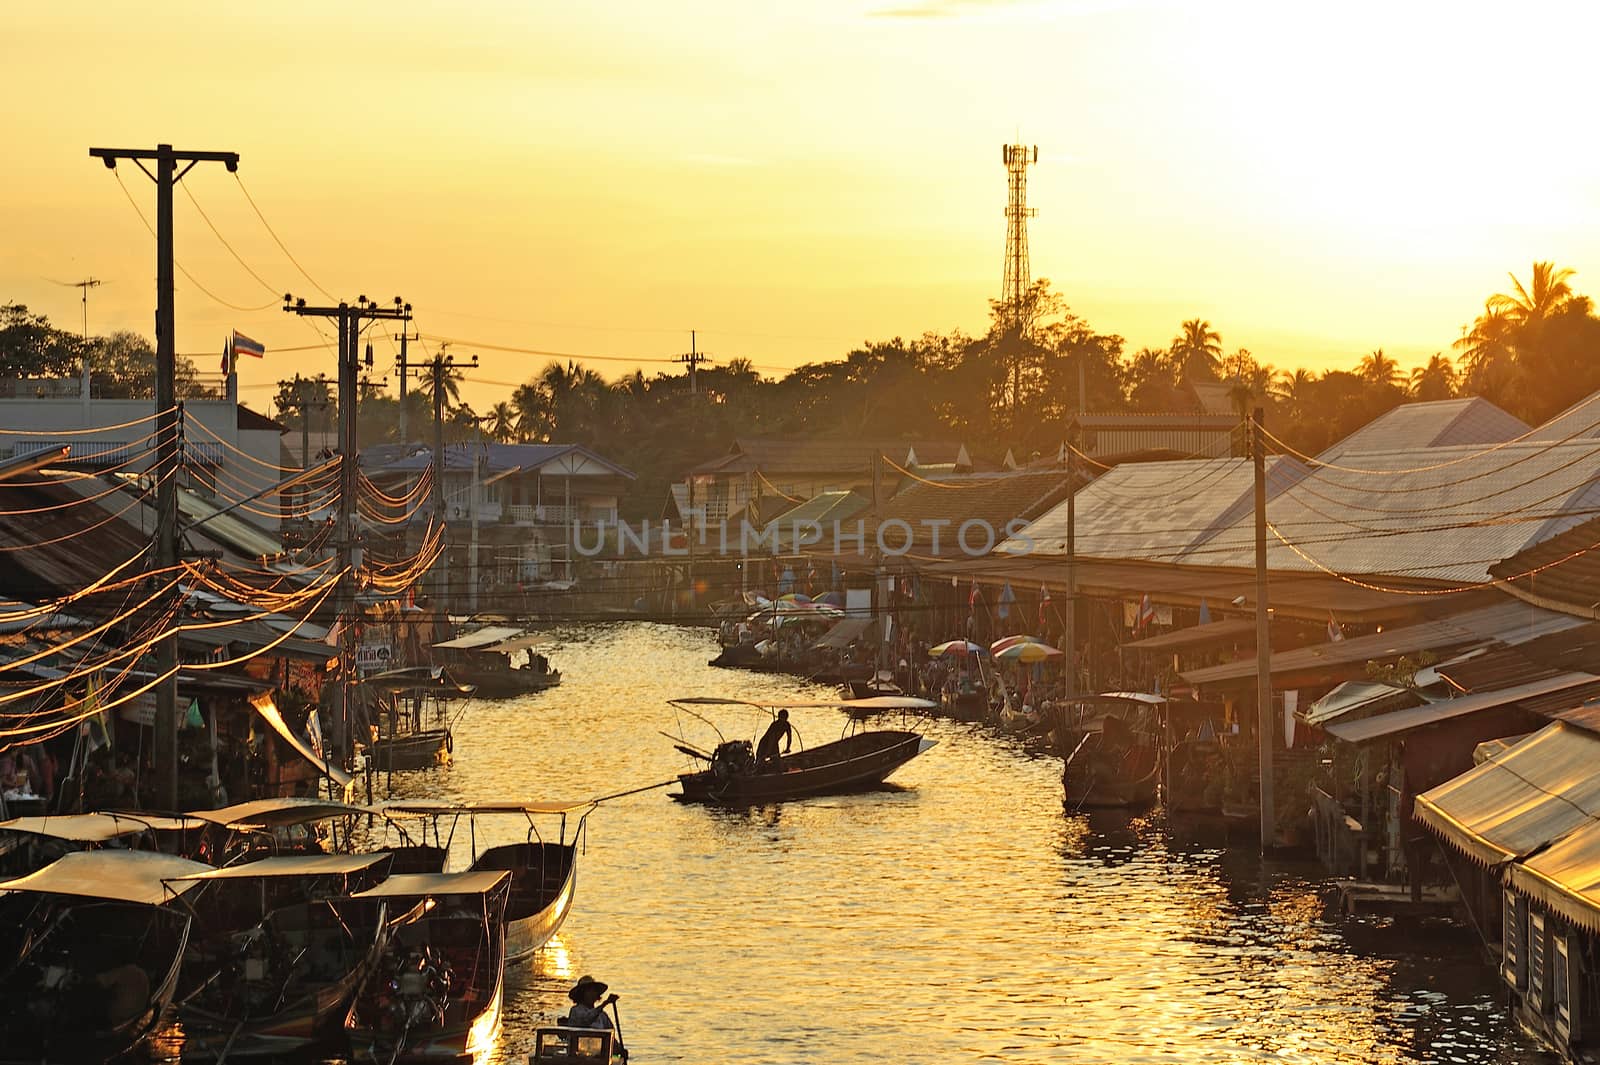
{"x":767,"y":749}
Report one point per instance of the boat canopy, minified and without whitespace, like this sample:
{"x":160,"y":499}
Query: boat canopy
{"x":97,"y":828}
{"x":121,"y":876}
{"x":292,"y":865}
{"x":482,"y":639}
{"x":1520,"y":800}
{"x":437,"y":807}
{"x":1147,"y":698}
{"x":274,"y":813}
{"x":417,"y":679}
{"x":416,"y":885}
{"x":269,"y":712}
{"x":876,"y":702}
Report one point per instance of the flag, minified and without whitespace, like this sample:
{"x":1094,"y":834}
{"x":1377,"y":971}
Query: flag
{"x":1007,"y":597}
{"x":192,"y":718}
{"x":972,"y":595}
{"x":1335,"y":633}
{"x":1044,"y":602}
{"x":1205,"y":612}
{"x":1146,"y":615}
{"x":243,"y":345}
{"x":95,"y":730}
{"x":227,"y":356}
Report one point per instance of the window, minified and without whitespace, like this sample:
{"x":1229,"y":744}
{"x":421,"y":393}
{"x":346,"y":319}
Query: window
{"x":1514,"y":937}
{"x":1538,"y":994}
{"x":1566,"y":994}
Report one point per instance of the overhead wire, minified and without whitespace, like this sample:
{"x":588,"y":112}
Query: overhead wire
{"x":278,"y":240}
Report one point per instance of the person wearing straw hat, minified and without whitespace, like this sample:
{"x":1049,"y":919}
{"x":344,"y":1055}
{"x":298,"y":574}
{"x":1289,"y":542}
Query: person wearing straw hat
{"x":589,"y":1002}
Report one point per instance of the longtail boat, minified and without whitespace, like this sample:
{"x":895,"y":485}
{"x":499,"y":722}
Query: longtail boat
{"x":855,"y":762}
{"x":439,"y":989}
{"x":403,"y":737}
{"x":1113,"y":747}
{"x":93,"y":948}
{"x":486,"y":658}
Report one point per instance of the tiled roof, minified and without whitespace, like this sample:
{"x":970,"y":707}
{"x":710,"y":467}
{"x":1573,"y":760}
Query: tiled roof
{"x":823,"y":508}
{"x":1445,"y":423}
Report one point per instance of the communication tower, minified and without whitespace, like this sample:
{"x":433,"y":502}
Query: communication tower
{"x":1017,"y":158}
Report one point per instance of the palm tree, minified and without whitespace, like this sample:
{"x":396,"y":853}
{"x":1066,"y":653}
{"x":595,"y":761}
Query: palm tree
{"x":502,"y":419}
{"x":1149,"y":377}
{"x":443,"y":377}
{"x":1547,"y":292}
{"x":532,"y":406}
{"x":1436,"y":379}
{"x":1197,"y":351}
{"x":1293,"y":388}
{"x":1376,"y":368}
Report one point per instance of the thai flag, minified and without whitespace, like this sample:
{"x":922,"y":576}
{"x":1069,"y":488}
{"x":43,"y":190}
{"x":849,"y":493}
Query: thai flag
{"x":243,"y":345}
{"x":1335,"y":632}
{"x":1147,"y":614}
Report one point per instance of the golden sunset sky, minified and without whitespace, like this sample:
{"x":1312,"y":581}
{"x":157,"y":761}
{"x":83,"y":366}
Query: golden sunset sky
{"x":790,"y":179}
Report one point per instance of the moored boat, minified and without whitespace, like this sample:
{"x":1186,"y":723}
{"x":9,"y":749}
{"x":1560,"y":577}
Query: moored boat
{"x":1112,"y":745}
{"x":486,"y":659}
{"x":402,"y":737}
{"x":93,"y":947}
{"x":855,"y":762}
{"x":439,"y":989}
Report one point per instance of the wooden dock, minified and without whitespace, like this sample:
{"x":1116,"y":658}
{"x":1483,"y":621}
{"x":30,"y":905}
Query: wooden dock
{"x":1361,"y":898}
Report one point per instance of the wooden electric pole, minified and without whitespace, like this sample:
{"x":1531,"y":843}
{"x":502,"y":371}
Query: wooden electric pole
{"x":1266,"y":730}
{"x":168,"y":456}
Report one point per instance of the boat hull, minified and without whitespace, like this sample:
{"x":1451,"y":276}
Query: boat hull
{"x":858,"y":762}
{"x":544,"y":879}
{"x":419,"y":750}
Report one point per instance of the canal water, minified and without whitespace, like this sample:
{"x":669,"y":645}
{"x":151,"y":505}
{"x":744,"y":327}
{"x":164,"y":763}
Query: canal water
{"x":961,"y":916}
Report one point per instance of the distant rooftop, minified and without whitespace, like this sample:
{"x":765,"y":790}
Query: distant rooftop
{"x":1442,"y":423}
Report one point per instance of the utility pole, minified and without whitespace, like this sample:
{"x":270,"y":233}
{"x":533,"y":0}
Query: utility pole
{"x":404,"y":336}
{"x":1069,"y":624}
{"x":437,"y":371}
{"x":693,"y":358}
{"x":1264,"y":723}
{"x":351,"y":320}
{"x":166,"y":176}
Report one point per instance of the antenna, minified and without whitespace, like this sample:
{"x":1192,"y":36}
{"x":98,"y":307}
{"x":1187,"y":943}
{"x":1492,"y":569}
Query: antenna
{"x":1015,"y":280}
{"x":83,"y":287}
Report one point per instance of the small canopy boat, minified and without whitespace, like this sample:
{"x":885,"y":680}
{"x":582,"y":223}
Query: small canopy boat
{"x":279,"y":953}
{"x":854,"y":762}
{"x":287,"y":825}
{"x":94,"y":948}
{"x":439,"y":989}
{"x":544,"y":872}
{"x":31,"y":843}
{"x":402,"y":736}
{"x":486,"y":658}
{"x":1112,"y":744}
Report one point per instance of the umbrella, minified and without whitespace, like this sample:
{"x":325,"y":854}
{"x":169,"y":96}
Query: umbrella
{"x":1026,"y":652}
{"x":1006,"y":641}
{"x":835,"y":599}
{"x":798,"y":598}
{"x":957,"y":648}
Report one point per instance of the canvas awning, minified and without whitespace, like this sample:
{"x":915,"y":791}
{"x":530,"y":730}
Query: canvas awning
{"x":844,"y":633}
{"x":419,"y":885}
{"x":124,"y":876}
{"x":269,"y":713}
{"x":1385,"y":725}
{"x":292,"y":865}
{"x":438,"y":807}
{"x":97,"y":828}
{"x":417,"y":679}
{"x":1535,"y":792}
{"x":1195,"y":635}
{"x":1566,"y":876}
{"x":1349,"y":697}
{"x":518,"y":643}
{"x":272,"y":813}
{"x":480,"y":640}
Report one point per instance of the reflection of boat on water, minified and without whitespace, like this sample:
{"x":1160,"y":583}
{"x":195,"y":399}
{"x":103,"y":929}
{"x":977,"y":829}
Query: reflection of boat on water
{"x":862,"y":760}
{"x":544,"y":873}
{"x":485,"y":660}
{"x":406,"y":710}
{"x":1112,"y":746}
{"x":278,"y":953}
{"x":94,"y":943}
{"x":439,"y":989}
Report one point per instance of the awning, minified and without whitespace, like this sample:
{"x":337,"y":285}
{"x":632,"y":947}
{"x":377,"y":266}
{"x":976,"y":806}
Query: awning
{"x":272,"y":813}
{"x":269,"y":713}
{"x":1566,"y":877}
{"x":1495,"y":748}
{"x":124,"y":876}
{"x":1195,"y":635}
{"x":416,"y":679}
{"x":519,"y":643}
{"x":291,"y":865}
{"x":1349,"y":697}
{"x":443,"y":807}
{"x":844,"y":633}
{"x":1385,"y":725}
{"x":1537,"y":791}
{"x":480,"y":640}
{"x":418,"y":885}
{"x":97,"y":828}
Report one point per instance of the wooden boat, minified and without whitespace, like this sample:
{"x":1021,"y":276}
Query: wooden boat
{"x":439,"y":989}
{"x":544,"y":873}
{"x":395,"y":702}
{"x":965,"y":705}
{"x":485,"y":660}
{"x":855,"y":762}
{"x":275,"y":977}
{"x":560,"y":1045}
{"x":287,"y":825}
{"x":1112,"y":748}
{"x":31,"y":843}
{"x":94,"y":947}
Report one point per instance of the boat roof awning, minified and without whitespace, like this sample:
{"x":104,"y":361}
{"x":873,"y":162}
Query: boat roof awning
{"x":1195,"y":635}
{"x":844,"y":633}
{"x":293,"y":865}
{"x":1367,"y":730}
{"x":877,"y":702}
{"x":272,"y":813}
{"x":435,"y":807}
{"x":518,"y":643}
{"x":416,"y":679}
{"x":1566,"y":876}
{"x":97,"y":828}
{"x":480,"y":640}
{"x":123,"y":876}
{"x":1519,"y":801}
{"x":416,"y":885}
{"x":268,"y":710}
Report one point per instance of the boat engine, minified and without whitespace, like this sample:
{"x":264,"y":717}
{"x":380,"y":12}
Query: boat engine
{"x":418,"y":990}
{"x":735,"y":758}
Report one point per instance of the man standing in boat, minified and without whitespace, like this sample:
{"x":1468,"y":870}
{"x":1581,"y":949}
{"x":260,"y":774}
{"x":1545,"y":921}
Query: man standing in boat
{"x":767,"y":749}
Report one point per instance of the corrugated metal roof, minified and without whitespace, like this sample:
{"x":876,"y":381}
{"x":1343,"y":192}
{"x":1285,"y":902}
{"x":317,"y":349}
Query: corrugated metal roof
{"x":1443,"y":423}
{"x":1576,"y":686}
{"x":1579,"y":421}
{"x":1194,"y":635}
{"x":497,"y":458}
